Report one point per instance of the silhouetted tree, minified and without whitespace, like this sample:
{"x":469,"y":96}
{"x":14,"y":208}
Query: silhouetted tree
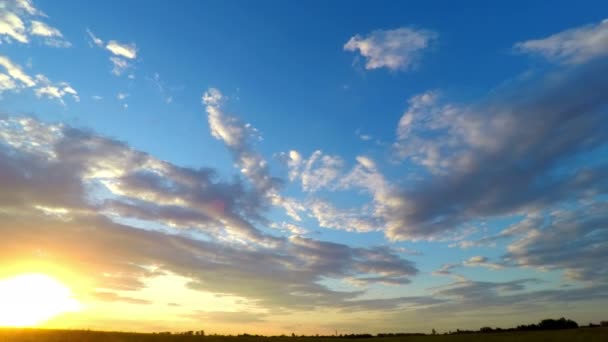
{"x":561,"y":323}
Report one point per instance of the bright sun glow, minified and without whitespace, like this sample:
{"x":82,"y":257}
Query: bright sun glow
{"x":31,"y":299}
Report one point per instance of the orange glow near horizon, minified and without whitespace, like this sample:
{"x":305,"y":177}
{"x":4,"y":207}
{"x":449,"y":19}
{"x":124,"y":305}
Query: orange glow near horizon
{"x":33,"y":298}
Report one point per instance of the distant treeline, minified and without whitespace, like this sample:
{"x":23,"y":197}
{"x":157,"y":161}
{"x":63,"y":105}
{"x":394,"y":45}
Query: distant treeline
{"x":545,"y":324}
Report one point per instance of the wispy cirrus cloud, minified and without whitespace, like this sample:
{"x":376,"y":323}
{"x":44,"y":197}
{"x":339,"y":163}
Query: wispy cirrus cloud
{"x":572,"y":46}
{"x":94,"y":40}
{"x":396,"y":49}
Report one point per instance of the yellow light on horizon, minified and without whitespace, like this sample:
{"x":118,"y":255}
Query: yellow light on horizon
{"x":33,"y":298}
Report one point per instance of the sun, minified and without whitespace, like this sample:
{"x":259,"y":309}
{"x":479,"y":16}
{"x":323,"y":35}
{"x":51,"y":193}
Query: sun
{"x":31,"y":299}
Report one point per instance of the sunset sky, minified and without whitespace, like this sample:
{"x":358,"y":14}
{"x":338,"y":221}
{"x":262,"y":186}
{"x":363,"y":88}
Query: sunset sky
{"x":303,"y":166}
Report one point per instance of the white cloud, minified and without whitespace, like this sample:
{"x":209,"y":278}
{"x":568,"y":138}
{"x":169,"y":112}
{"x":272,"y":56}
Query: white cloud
{"x":119,"y":65}
{"x":95,"y":40}
{"x":122,"y":96}
{"x":15,"y":16}
{"x":16,"y":79}
{"x":12,"y":27}
{"x":363,"y":136}
{"x":236,"y":135}
{"x":573,"y":46}
{"x":351,"y":220}
{"x":56,"y":91}
{"x":397,"y":49}
{"x":52,"y":36}
{"x":481,"y":261}
{"x":121,"y":54}
{"x":16,"y":72}
{"x":417,"y":104}
{"x":6,"y":83}
{"x":426,"y":114}
{"x":162,"y":88}
{"x":124,"y":50}
{"x":475,"y":261}
{"x":41,"y":29}
{"x":26,"y":5}
{"x":316,"y":172}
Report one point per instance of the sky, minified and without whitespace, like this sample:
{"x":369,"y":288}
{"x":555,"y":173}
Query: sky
{"x":278,"y":167}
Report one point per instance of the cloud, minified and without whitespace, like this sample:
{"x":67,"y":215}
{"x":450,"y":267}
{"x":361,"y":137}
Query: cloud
{"x":362,"y":136}
{"x":165,"y":94}
{"x":397,"y":49}
{"x":503,"y":156}
{"x":573,"y":46}
{"x":119,"y":65}
{"x":12,"y":27}
{"x":6,"y":83}
{"x":573,"y":239}
{"x":16,"y":79}
{"x":108,"y":296}
{"x":128,"y":51}
{"x":15,"y":16}
{"x":121,"y":53}
{"x":237,"y":136}
{"x":94,"y":39}
{"x":16,"y":72}
{"x":323,"y":171}
{"x":52,"y":209}
{"x":475,"y":261}
{"x":230,"y":317}
{"x":51,"y":35}
{"x":352,"y":219}
{"x":514,"y":296}
{"x":315,"y":173}
{"x":57,"y":91}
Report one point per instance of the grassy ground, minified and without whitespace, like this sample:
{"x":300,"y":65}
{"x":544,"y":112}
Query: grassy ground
{"x":34,"y":335}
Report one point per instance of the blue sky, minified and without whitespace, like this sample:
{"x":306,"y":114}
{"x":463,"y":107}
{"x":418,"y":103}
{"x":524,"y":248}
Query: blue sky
{"x":449,"y":158}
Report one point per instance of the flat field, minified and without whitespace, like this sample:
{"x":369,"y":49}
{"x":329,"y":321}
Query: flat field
{"x":40,"y":335}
